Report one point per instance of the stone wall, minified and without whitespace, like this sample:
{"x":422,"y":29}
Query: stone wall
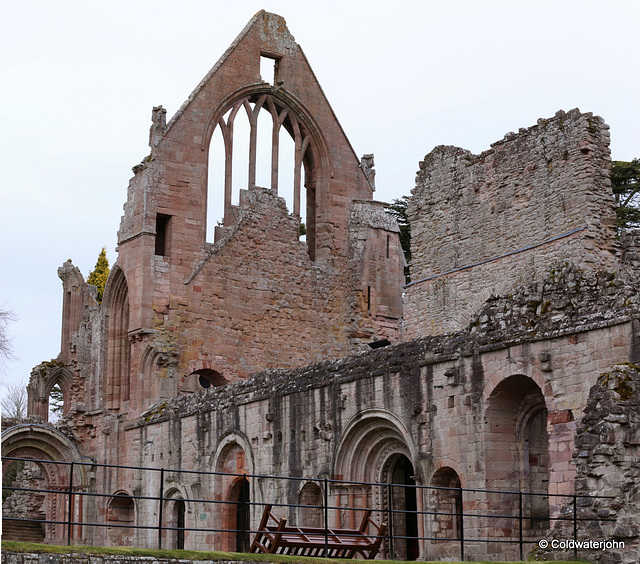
{"x":178,"y":308}
{"x":11,"y":557}
{"x":430,"y":400}
{"x":606,"y":455}
{"x":482,"y":224}
{"x":258,"y":295}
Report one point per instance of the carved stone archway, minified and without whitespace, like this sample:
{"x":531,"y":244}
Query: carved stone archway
{"x":54,"y":454}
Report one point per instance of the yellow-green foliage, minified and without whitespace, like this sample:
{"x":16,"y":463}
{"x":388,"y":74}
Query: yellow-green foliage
{"x":98,"y":277}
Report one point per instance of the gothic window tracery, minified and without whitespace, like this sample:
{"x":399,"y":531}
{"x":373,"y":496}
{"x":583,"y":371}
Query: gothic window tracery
{"x":242,"y":134}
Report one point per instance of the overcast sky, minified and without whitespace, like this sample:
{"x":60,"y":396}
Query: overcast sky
{"x":79,"y":78}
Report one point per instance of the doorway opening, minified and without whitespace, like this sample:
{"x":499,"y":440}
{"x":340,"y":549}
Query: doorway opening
{"x":404,"y":506}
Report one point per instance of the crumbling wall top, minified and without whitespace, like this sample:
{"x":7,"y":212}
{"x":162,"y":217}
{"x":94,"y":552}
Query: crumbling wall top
{"x":527,"y":188}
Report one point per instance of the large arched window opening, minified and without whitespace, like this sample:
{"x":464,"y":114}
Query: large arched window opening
{"x":264,"y":143}
{"x":56,"y":391}
{"x":118,"y":346}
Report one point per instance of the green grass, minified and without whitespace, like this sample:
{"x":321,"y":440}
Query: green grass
{"x":14,"y":546}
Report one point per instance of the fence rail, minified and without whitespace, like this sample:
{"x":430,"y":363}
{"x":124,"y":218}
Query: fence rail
{"x":415,"y":514}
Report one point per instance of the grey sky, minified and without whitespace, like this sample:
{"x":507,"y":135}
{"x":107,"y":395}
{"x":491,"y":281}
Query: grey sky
{"x":79,"y":79}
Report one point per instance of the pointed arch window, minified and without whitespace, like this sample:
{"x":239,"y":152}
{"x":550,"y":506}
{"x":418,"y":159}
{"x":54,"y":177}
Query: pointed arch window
{"x":118,"y":346}
{"x":263,"y":141}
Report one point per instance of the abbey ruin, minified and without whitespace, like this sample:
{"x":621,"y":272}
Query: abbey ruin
{"x":248,"y":349}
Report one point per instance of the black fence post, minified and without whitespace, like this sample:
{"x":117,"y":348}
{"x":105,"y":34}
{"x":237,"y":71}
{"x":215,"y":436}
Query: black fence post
{"x":390,"y":503}
{"x":520,"y":524}
{"x":575,"y":527}
{"x":70,"y":504}
{"x":160,"y":496}
{"x":461,"y":516}
{"x":326,"y":518}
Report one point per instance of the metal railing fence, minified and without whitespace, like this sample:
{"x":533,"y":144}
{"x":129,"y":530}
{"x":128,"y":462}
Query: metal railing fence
{"x":472,"y":515}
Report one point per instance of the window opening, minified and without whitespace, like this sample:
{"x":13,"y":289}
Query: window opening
{"x":248,"y":148}
{"x":264,"y":140}
{"x":208,"y":378}
{"x":215,"y":184}
{"x":240,"y":163}
{"x":286,"y":163}
{"x":162,"y":234}
{"x":268,"y":69}
{"x":56,"y":403}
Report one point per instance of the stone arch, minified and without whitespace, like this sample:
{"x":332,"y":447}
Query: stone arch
{"x":376,"y":447}
{"x":175,"y":511}
{"x":116,"y":304}
{"x":311,"y":151}
{"x":528,"y":372}
{"x":310,"y":501}
{"x":234,"y":491}
{"x":517,"y":452}
{"x":158,"y":366}
{"x":121,"y":515}
{"x":43,"y":379}
{"x":446,"y":504}
{"x":208,"y":378}
{"x":52,"y":452}
{"x":367,"y":441}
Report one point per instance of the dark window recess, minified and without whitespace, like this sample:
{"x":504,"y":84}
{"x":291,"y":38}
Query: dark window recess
{"x":210,"y":378}
{"x":162,"y":234}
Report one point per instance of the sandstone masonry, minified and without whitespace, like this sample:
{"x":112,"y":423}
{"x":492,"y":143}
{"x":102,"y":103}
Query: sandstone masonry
{"x":262,"y":351}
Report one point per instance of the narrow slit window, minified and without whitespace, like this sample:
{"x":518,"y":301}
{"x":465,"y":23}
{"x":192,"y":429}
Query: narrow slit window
{"x":162,"y":234}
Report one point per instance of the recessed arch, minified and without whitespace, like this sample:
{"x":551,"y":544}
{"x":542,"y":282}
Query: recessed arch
{"x":517,"y":450}
{"x":376,"y":447}
{"x":121,"y":515}
{"x":366,"y":442}
{"x":310,"y":500}
{"x":116,"y":305}
{"x":208,"y":378}
{"x":44,"y":443}
{"x":175,"y":511}
{"x":235,"y":493}
{"x":445,"y":501}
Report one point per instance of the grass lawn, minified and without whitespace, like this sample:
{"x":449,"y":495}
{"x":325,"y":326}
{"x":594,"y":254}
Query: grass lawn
{"x":189,"y":554}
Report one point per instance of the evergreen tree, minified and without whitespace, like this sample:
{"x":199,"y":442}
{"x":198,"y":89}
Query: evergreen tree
{"x":98,"y":277}
{"x":625,"y":180}
{"x":398,"y":209}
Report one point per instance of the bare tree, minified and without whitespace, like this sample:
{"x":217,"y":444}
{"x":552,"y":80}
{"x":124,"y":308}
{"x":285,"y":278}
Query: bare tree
{"x":14,"y":401}
{"x":6,"y":350}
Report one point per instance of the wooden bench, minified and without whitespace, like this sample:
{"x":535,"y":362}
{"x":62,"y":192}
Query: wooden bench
{"x":275,"y":537}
